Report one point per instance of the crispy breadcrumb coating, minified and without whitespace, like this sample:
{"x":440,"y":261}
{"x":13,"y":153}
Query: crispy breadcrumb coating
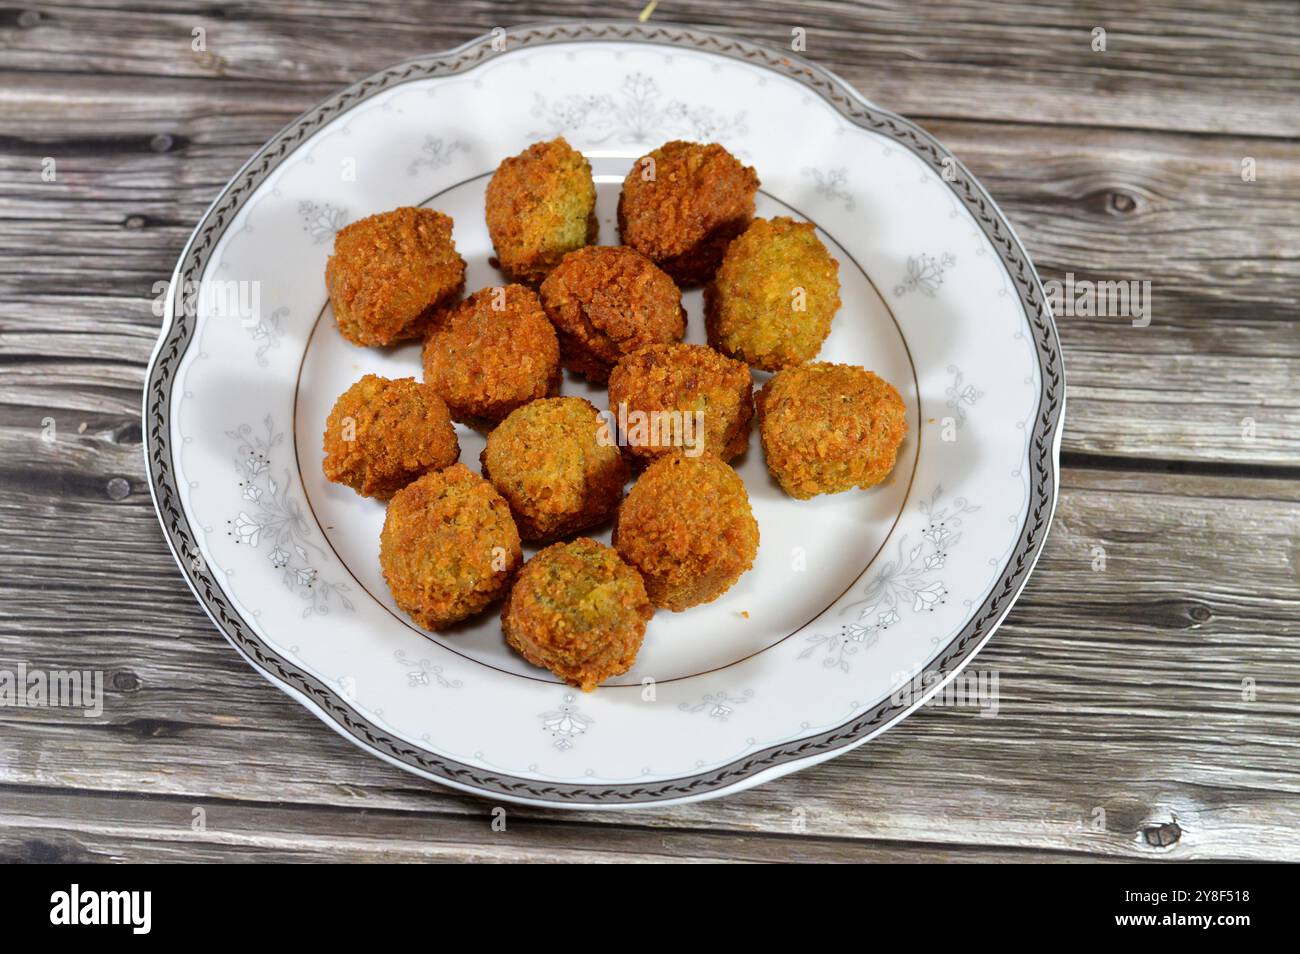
{"x":686,"y":525}
{"x":827,"y":428}
{"x":558,"y":466}
{"x":695,"y":382}
{"x":772,"y":300}
{"x":540,"y":204}
{"x":606,"y":301}
{"x":382,"y":434}
{"x":492,"y":353}
{"x":449,"y":546}
{"x":578,"y":610}
{"x":390,"y":272}
{"x":682,"y":204}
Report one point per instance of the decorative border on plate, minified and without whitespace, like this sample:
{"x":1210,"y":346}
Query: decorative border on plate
{"x":179,"y":332}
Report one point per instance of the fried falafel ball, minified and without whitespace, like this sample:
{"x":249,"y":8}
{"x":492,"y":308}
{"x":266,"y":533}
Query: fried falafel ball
{"x":578,"y":610}
{"x":774,"y":295}
{"x":607,"y":301}
{"x":827,"y":428}
{"x":682,"y":204}
{"x":492,"y":353}
{"x":654,"y":389}
{"x":558,"y":467}
{"x":686,"y":525}
{"x":382,"y":434}
{"x":390,"y":273}
{"x":449,"y":546}
{"x":540,"y":204}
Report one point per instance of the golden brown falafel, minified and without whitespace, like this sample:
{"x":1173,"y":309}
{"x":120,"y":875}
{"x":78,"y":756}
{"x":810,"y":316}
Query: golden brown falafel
{"x":492,"y":353}
{"x":682,"y":204}
{"x":558,"y":466}
{"x":689,"y":383}
{"x":578,"y":610}
{"x":382,"y":434}
{"x":390,"y":272}
{"x":606,"y":301}
{"x":686,"y":525}
{"x":540,"y":204}
{"x":449,"y":546}
{"x":774,"y":295}
{"x":827,"y":428}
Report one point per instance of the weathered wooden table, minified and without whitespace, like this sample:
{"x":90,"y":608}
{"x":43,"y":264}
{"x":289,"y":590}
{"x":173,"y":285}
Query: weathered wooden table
{"x":1150,"y":679}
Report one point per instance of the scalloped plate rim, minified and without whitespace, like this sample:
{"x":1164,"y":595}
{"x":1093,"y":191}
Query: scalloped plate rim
{"x":669,"y":36}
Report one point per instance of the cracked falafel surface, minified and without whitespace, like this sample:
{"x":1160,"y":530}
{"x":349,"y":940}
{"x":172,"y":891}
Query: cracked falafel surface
{"x":384,"y":433}
{"x":607,"y":301}
{"x":578,"y":610}
{"x":774,"y":295}
{"x":687,"y":526}
{"x":492,"y":353}
{"x":449,"y":546}
{"x":827,"y":428}
{"x":687,"y":379}
{"x":540,"y":205}
{"x":682,"y":204}
{"x":557,"y":465}
{"x":389,"y":273}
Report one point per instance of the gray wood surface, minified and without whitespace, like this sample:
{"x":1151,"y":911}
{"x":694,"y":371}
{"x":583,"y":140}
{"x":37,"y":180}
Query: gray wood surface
{"x":1122,"y":688}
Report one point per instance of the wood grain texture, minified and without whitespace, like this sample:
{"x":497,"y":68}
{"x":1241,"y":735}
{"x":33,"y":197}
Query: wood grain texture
{"x":1121,"y":689}
{"x":1198,"y":67}
{"x":1221,"y":350}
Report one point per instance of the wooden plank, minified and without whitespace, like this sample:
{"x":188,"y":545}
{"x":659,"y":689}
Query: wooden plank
{"x":1213,"y":378}
{"x":39,"y":826}
{"x":1167,"y":65}
{"x":1120,"y":690}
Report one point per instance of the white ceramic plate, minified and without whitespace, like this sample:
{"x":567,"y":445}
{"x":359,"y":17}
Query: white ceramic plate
{"x":851,"y":596}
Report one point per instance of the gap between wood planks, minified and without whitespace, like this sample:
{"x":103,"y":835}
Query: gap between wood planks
{"x":261,"y":827}
{"x":1189,"y":66}
{"x":1082,"y":460}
